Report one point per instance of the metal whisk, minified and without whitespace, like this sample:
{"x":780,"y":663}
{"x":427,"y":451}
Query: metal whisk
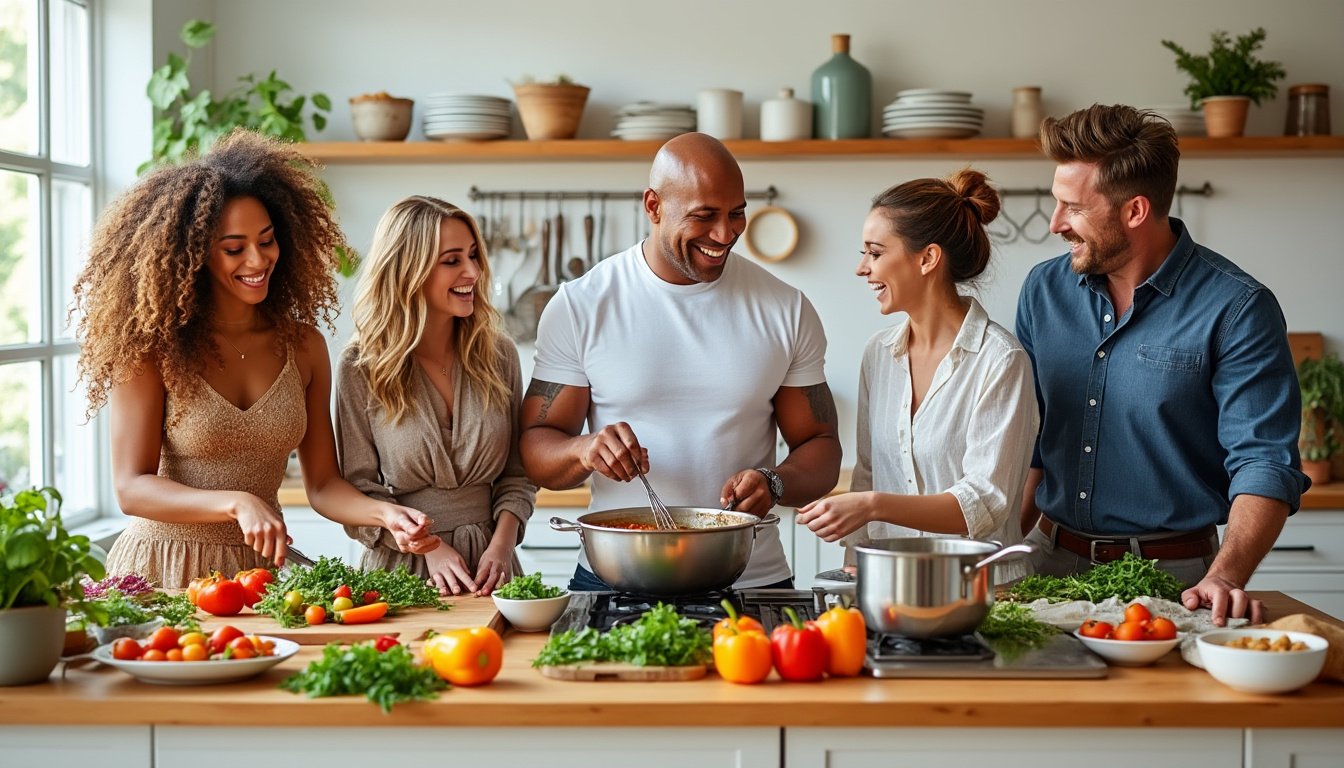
{"x":662,"y":517}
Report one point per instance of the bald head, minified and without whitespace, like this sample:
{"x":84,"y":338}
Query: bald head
{"x":692,"y":159}
{"x":696,"y":204}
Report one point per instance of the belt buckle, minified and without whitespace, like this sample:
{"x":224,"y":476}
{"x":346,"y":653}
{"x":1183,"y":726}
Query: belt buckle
{"x":1092,"y":547}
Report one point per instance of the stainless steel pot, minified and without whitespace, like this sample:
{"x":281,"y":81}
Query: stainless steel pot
{"x":708,"y":551}
{"x":922,"y":586}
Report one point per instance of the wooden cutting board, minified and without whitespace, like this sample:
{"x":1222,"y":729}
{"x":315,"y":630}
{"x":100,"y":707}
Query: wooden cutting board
{"x":407,"y":625}
{"x":612,"y":670}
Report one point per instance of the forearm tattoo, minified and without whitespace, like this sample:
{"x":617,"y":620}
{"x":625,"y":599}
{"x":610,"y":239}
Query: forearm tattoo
{"x":823,"y":404}
{"x":547,"y":391}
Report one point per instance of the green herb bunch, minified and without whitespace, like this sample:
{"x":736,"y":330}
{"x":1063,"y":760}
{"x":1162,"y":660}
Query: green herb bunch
{"x":661,"y":637}
{"x":40,"y":562}
{"x":385,"y":678}
{"x":116,"y":609}
{"x":528,"y":588}
{"x":1126,"y":578}
{"x":1012,"y":630}
{"x":1228,"y":70}
{"x":399,"y":588}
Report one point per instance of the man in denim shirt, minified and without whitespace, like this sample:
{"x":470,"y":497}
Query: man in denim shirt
{"x":1169,"y":401}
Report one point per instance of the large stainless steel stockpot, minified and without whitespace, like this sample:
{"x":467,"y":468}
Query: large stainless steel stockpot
{"x":921,"y":586}
{"x":708,"y":550}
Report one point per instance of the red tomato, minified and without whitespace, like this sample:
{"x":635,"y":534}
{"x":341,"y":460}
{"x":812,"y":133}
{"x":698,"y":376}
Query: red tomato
{"x":254,"y":583}
{"x":342,"y":591}
{"x":1130,"y":630}
{"x":1137,"y":612}
{"x":1095,"y":628}
{"x":222,"y":637}
{"x":153,"y":655}
{"x":221,"y":597}
{"x":164,"y":639}
{"x":314,"y":615}
{"x":1161,"y":629}
{"x":385,"y":642}
{"x":371,"y":596}
{"x":126,"y":649}
{"x":241,"y":648}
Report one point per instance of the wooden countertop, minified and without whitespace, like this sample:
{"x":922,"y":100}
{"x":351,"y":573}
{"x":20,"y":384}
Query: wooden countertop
{"x":1329,"y":496}
{"x":1169,"y":694}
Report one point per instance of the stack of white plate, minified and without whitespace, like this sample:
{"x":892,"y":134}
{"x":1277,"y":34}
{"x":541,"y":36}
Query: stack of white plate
{"x":930,"y":113}
{"x":1186,"y":121}
{"x":646,"y":120}
{"x":455,"y":116}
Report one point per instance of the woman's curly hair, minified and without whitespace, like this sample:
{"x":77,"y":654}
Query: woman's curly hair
{"x":145,"y":295}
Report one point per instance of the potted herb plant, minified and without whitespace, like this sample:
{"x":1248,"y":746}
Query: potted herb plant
{"x":40,"y":568}
{"x":551,"y":109}
{"x":1227,"y":80}
{"x":1322,"y":383}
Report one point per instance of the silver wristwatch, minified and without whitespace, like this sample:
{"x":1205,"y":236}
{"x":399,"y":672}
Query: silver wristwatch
{"x":775,"y":484}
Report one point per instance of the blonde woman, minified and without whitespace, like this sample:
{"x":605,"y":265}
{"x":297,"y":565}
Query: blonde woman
{"x":427,"y":399}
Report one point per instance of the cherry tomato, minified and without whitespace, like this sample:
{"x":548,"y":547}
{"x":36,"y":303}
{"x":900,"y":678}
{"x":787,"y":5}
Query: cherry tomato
{"x":1161,"y":629}
{"x":241,"y":648}
{"x":342,"y":591}
{"x":126,"y":649}
{"x":342,"y":604}
{"x":1095,"y":628}
{"x":315,"y":615}
{"x":385,"y":642}
{"x":164,"y":639}
{"x":1130,"y":630}
{"x":222,"y":637}
{"x":371,"y":596}
{"x":174,"y":654}
{"x":1137,"y":612}
{"x":195,"y":652}
{"x":294,"y":602}
{"x":153,"y":655}
{"x":191,"y":638}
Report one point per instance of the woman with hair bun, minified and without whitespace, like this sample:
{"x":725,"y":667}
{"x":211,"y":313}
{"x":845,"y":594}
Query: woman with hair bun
{"x":200,"y":300}
{"x":947,"y":406}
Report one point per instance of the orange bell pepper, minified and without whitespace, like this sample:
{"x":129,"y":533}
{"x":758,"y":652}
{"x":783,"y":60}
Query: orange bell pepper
{"x":846,"y":640}
{"x":742,"y":656}
{"x":735,"y":624}
{"x":466,"y":656}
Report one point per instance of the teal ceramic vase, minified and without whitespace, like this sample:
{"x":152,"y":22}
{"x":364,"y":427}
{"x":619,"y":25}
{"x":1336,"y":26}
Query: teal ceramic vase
{"x":842,"y":92}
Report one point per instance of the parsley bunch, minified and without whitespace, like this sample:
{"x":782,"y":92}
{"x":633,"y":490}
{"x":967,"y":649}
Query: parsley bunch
{"x":399,"y":588}
{"x":116,"y":609}
{"x":661,"y":637}
{"x":385,"y":678}
{"x":528,"y":588}
{"x":1126,"y":578}
{"x":1011,"y":629}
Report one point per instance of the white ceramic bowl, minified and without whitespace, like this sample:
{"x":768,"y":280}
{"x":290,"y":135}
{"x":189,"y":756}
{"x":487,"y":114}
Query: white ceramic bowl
{"x":1129,"y":653}
{"x":381,"y":119}
{"x":1261,"y":671}
{"x":532,"y":615}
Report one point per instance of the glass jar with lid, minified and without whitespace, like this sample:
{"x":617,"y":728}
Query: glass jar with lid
{"x":1308,"y":110}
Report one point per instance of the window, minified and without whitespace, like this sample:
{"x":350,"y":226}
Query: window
{"x":46,"y":214}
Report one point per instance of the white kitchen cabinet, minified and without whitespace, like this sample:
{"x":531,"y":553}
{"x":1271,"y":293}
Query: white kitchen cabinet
{"x":68,"y":746}
{"x":315,"y":536}
{"x":1009,"y":747}
{"x":553,"y":553}
{"x":1294,"y":748}
{"x":550,"y":747}
{"x":810,"y":554}
{"x":1307,"y":561}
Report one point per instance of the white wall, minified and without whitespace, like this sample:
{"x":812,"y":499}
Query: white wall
{"x":1281,"y":219}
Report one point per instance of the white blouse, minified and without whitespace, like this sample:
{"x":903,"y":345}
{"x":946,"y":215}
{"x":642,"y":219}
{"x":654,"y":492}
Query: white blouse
{"x":972,"y":436}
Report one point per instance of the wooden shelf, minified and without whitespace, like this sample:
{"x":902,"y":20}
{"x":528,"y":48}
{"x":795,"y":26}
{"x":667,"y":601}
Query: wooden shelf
{"x":599,"y":150}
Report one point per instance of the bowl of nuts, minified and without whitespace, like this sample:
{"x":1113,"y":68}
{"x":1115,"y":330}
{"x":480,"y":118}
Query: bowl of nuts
{"x":380,"y":117}
{"x":1262,"y":660}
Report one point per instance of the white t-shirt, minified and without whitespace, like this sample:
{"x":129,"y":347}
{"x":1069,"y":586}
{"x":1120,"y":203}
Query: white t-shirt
{"x":972,"y":436}
{"x":692,"y":369}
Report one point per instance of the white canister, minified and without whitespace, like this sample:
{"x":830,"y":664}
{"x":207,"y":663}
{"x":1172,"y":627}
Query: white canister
{"x":786,"y":118}
{"x":719,"y":113}
{"x":1027,"y":112}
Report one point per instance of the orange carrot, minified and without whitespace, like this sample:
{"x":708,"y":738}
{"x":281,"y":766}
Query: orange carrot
{"x":362,"y":614}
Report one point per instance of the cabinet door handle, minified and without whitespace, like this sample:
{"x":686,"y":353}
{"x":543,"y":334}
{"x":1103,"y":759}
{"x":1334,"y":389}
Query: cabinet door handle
{"x":1294,"y":548}
{"x":544,"y":547}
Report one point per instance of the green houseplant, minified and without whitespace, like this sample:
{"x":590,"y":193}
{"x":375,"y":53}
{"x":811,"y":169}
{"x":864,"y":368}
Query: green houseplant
{"x":1322,"y":383}
{"x":42,"y":565}
{"x":1228,"y":79}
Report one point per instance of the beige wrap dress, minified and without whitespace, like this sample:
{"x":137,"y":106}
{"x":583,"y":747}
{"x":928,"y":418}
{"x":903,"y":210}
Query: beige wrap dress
{"x":463,"y":473}
{"x":212,"y":444}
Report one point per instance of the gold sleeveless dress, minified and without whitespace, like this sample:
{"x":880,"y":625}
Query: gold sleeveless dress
{"x":215,"y":446}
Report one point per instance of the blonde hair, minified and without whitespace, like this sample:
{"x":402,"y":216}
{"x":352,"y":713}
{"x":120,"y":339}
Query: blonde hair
{"x":390,"y":308}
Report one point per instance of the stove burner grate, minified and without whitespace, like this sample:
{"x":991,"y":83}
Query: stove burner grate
{"x":882,"y":647}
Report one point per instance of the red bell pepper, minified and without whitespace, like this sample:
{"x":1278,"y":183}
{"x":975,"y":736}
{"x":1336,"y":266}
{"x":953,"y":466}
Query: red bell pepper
{"x":798,"y":649}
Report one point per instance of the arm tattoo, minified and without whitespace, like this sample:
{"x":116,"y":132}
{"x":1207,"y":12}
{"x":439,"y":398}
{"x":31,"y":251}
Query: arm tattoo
{"x":547,"y":391}
{"x":823,"y":404}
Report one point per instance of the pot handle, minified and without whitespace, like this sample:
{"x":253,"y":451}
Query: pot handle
{"x":561,"y":524}
{"x":770,"y":519}
{"x":1016,"y":549}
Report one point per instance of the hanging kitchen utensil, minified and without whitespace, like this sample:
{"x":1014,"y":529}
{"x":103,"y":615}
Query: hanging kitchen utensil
{"x":529,"y":306}
{"x":602,"y":231}
{"x":576,"y":266}
{"x":559,"y":242}
{"x":588,"y":225}
{"x":772,"y":234}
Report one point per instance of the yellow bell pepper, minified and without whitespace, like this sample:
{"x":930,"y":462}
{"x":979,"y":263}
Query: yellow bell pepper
{"x":466,"y":656}
{"x":846,"y":637}
{"x":742,"y":657}
{"x":734,"y":623}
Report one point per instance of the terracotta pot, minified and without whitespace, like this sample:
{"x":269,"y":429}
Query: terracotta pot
{"x":1225,"y":116}
{"x":550,"y":111}
{"x":1318,"y":471}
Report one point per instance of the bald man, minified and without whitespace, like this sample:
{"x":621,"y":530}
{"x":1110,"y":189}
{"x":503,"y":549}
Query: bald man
{"x":682,"y":359}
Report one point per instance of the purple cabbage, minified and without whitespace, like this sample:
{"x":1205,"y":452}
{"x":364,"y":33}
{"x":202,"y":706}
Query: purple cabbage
{"x":131,"y":585}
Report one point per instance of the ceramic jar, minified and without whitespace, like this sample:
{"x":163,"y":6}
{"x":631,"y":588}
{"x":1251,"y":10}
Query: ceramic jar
{"x":786,"y":118}
{"x":719,"y":113}
{"x":1027,"y":112}
{"x":842,"y":95}
{"x":1308,"y":110}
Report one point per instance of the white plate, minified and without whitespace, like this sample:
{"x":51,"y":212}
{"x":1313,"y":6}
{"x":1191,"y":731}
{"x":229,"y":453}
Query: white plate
{"x":959,"y":111}
{"x":931,"y":133}
{"x":199,"y":672}
{"x":467,"y":135}
{"x":648,"y":107}
{"x":939,"y":100}
{"x":926,"y":92}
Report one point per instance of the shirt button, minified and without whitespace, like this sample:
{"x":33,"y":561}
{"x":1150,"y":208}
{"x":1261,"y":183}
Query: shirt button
{"x":1107,"y":318}
{"x":1091,"y":402}
{"x":1082,"y":494}
{"x":1087,"y":449}
{"x":1102,"y":353}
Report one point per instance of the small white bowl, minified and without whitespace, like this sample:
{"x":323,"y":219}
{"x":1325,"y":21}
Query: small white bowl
{"x":532,"y":615}
{"x":1129,"y":653}
{"x":1261,"y":671}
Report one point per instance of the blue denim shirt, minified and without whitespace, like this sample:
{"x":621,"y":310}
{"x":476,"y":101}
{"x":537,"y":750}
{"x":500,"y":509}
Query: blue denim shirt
{"x":1156,"y":420}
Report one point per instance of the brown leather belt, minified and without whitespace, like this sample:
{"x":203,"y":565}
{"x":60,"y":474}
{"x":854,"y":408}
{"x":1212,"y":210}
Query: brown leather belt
{"x":1104,"y":549}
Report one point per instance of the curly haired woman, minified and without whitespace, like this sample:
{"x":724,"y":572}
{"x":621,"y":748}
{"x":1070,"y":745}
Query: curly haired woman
{"x":427,"y":399}
{"x":200,"y":298}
